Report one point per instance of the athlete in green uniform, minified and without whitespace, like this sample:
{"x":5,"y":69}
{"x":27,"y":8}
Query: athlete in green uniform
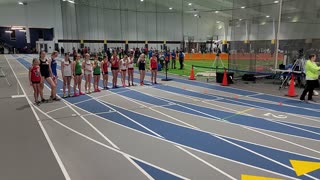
{"x":77,"y":73}
{"x":96,"y":73}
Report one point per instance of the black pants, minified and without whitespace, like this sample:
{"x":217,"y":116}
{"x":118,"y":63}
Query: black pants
{"x":311,"y":84}
{"x":181,"y":63}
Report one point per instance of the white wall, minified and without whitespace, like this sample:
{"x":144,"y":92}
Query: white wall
{"x":145,"y":21}
{"x":265,"y":32}
{"x":37,"y":14}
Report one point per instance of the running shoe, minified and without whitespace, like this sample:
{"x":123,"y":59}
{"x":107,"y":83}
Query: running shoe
{"x":75,"y":95}
{"x":56,"y":99}
{"x":98,"y":90}
{"x":82,"y":93}
{"x":64,"y":95}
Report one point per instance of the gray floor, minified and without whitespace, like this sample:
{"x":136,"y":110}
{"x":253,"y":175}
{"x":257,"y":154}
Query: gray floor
{"x":24,"y":153}
{"x":91,"y":147}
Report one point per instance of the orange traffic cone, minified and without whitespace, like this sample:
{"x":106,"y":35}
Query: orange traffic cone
{"x":225,"y":79}
{"x":291,"y":90}
{"x":192,"y":74}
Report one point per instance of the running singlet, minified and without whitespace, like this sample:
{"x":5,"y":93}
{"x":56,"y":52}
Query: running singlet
{"x":78,"y":68}
{"x":54,"y":67}
{"x":142,"y":65}
{"x":35,"y":74}
{"x":105,"y":66}
{"x":130,"y":63}
{"x":153,"y":63}
{"x":44,"y":68}
{"x":116,"y":62}
{"x":67,"y":68}
{"x":97,"y":69}
{"x":88,"y":67}
{"x":123,"y":64}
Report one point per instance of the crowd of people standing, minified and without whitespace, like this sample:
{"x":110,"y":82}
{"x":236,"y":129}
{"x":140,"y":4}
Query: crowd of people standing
{"x":90,"y":66}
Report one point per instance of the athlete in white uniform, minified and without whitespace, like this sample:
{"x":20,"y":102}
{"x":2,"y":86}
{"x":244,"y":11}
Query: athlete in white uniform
{"x":66,"y":69}
{"x":87,"y":68}
{"x":130,"y":69}
{"x":123,"y":68}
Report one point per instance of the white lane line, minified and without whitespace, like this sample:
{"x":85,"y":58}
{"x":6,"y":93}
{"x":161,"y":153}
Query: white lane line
{"x":174,"y":143}
{"x":231,"y":123}
{"x":243,"y":147}
{"x":267,"y":101}
{"x":208,"y":133}
{"x":268,"y":110}
{"x":101,"y":134}
{"x":265,"y":157}
{"x":280,"y":121}
{"x":163,"y":99}
{"x":206,"y":163}
{"x":55,"y":153}
{"x":109,"y":147}
{"x":18,"y":96}
{"x":139,"y":168}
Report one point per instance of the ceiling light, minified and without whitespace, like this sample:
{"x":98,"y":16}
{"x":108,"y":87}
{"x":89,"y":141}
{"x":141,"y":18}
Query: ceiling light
{"x":22,"y":30}
{"x":141,"y":0}
{"x":195,"y":15}
{"x":267,"y":16}
{"x":170,"y":8}
{"x":190,"y":4}
{"x":240,"y":19}
{"x":71,"y":1}
{"x":276,"y":2}
{"x":218,"y":22}
{"x":216,"y":11}
{"x":64,"y":0}
{"x":16,"y":28}
{"x":243,"y":7}
{"x":20,"y":3}
{"x":8,"y":31}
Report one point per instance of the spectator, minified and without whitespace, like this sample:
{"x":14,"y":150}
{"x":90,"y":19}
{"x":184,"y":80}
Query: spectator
{"x":173,"y":55}
{"x":181,"y":59}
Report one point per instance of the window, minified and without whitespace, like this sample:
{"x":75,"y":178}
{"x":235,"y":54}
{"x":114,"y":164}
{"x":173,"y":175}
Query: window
{"x":13,"y":35}
{"x":41,"y":36}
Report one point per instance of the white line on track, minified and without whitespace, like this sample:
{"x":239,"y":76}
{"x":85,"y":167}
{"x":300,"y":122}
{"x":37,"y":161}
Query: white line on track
{"x":208,"y":132}
{"x":272,"y":120}
{"x":60,"y":108}
{"x":171,"y":142}
{"x":55,"y":153}
{"x":255,"y":94}
{"x":265,"y":157}
{"x":109,"y":147}
{"x":218,"y":156}
{"x":99,"y":132}
{"x":216,"y":118}
{"x":206,"y":163}
{"x":193,"y":127}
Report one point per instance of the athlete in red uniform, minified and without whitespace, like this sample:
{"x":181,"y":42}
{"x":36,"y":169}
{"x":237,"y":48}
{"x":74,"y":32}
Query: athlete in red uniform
{"x":115,"y":69}
{"x":35,"y":79}
{"x":104,"y":69}
{"x":154,"y":68}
